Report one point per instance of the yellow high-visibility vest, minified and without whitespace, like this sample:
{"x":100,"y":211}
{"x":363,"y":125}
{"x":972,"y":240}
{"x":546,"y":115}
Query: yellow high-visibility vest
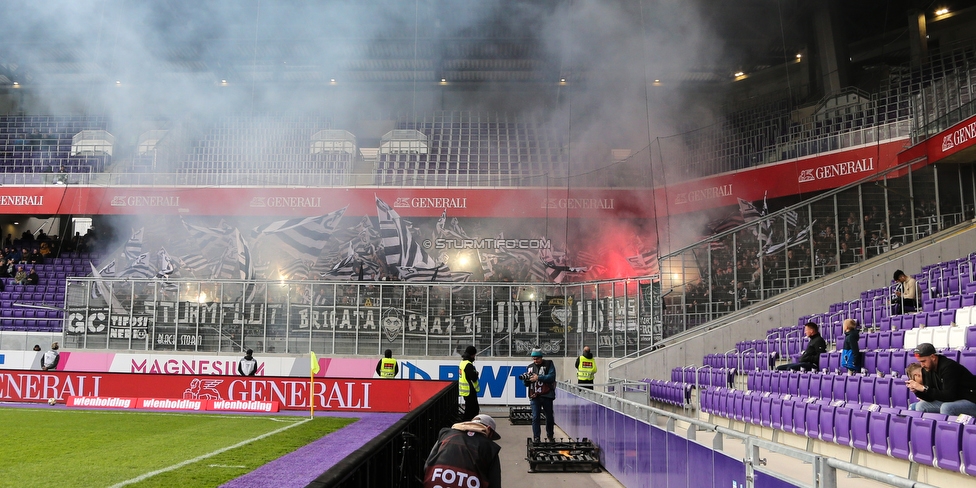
{"x":388,"y":367}
{"x":463,"y":388}
{"x":586,"y":370}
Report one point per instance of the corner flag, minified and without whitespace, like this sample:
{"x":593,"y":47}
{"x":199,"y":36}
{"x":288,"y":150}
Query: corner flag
{"x":315,"y":363}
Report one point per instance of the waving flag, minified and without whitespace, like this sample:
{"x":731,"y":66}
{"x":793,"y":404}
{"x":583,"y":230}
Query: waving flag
{"x":302,"y":238}
{"x":399,"y":246}
{"x":133,"y":247}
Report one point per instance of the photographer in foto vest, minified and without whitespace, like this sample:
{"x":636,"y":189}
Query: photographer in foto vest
{"x":540,"y":379}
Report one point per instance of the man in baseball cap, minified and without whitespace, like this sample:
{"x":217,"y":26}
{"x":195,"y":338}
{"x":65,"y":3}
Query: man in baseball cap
{"x":947,"y":387}
{"x":466,"y":450}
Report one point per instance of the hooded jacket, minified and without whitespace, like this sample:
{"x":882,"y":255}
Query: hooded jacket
{"x":464,"y":450}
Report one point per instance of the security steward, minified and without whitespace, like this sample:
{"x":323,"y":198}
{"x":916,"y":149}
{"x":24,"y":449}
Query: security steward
{"x":585,"y":369}
{"x":468,"y":386}
{"x":387,"y":367}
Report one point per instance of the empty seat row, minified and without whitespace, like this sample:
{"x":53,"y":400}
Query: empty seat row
{"x":941,"y":337}
{"x":742,"y":361}
{"x":895,"y":361}
{"x":669,"y":392}
{"x":931,"y":439}
{"x":885,"y":391}
{"x":703,"y":376}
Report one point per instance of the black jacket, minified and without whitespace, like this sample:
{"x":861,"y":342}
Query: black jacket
{"x":816,"y":347}
{"x":463,"y":451}
{"x":950,"y":381}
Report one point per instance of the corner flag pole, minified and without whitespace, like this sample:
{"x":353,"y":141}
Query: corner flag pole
{"x":311,"y":384}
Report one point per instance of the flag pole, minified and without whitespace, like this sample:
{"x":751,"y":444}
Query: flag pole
{"x":314,"y":368}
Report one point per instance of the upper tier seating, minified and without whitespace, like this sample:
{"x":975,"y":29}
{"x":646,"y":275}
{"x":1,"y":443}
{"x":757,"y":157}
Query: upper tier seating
{"x":42,"y":144}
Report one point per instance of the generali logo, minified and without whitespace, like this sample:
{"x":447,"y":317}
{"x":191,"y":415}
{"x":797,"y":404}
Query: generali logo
{"x":839,"y":169}
{"x":425,"y":202}
{"x":959,"y":136}
{"x":286,"y":202}
{"x":21,"y":200}
{"x":709,"y":193}
{"x":145,"y":201}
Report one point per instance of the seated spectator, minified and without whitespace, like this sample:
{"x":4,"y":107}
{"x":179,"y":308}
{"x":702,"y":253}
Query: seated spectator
{"x":24,"y":256}
{"x":947,"y":387}
{"x":35,"y":257}
{"x":13,"y":256}
{"x":4,"y":273}
{"x":906,"y":293}
{"x":32,"y":278}
{"x":21,"y":277}
{"x":810,"y":359}
{"x":914,"y":373}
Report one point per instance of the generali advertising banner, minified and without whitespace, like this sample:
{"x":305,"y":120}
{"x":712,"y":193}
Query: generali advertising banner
{"x":815,"y":173}
{"x":334,"y":394}
{"x":498,"y":377}
{"x":952,"y":140}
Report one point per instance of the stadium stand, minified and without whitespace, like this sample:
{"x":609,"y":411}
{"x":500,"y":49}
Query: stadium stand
{"x":43,"y":144}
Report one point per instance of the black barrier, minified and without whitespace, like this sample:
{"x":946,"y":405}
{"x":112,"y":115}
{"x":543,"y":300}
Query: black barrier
{"x":395,"y":458}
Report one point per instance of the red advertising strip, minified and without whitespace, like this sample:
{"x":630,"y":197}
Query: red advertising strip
{"x":171,"y":404}
{"x":241,"y":406}
{"x":330,"y":394}
{"x":101,"y":402}
{"x":815,"y":173}
{"x":952,"y":140}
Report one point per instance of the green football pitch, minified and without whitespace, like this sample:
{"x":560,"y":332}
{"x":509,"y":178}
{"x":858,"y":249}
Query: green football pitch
{"x":86,"y":448}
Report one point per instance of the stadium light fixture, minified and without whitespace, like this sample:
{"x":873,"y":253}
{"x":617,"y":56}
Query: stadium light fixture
{"x":118,"y":82}
{"x":332,"y":80}
{"x":16,"y":84}
{"x":223,"y":81}
{"x":738,"y":74}
{"x":799,"y":56}
{"x":942,"y":11}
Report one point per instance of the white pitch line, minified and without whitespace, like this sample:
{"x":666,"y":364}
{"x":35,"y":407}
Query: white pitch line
{"x":204,"y":456}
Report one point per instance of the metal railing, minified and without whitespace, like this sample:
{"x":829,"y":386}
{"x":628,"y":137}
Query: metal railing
{"x":823,"y":469}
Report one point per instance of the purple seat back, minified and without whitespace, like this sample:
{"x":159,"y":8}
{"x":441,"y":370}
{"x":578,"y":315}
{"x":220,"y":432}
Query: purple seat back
{"x":948,"y":443}
{"x":776,"y":413}
{"x":787,"y":415}
{"x":878,"y":432}
{"x":922,"y":440}
{"x":859,"y":429}
{"x":872,"y":341}
{"x":852,"y":392}
{"x":799,"y":418}
{"x":812,"y":424}
{"x":803,"y":384}
{"x":765,"y":406}
{"x":870,"y":361}
{"x":882,"y":391}
{"x":752,"y":413}
{"x":867,"y":389}
{"x":833,"y":361}
{"x":968,"y":359}
{"x":969,"y":450}
{"x":883,"y":363}
{"x":897,"y":339}
{"x":827,"y":423}
{"x":793,"y":383}
{"x":842,"y":426}
{"x":898,"y":436}
{"x":899,"y":361}
{"x":899,"y":393}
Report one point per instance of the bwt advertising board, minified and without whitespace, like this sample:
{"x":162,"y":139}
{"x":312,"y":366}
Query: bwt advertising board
{"x":498,"y":378}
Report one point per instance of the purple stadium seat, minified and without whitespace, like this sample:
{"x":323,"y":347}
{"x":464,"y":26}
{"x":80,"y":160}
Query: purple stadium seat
{"x":859,"y":429}
{"x":870,"y":361}
{"x":883,"y":362}
{"x":872,"y":341}
{"x":803,"y":384}
{"x":765,"y":406}
{"x":952,"y":354}
{"x":827,"y":423}
{"x":781,"y":381}
{"x":968,"y":299}
{"x":799,"y":418}
{"x":896,"y":321}
{"x":765,"y":381}
{"x":816,"y":385}
{"x":898,"y":436}
{"x":842,"y":426}
{"x":833,"y":361}
{"x":882,"y":391}
{"x":899,"y":361}
{"x":776,"y":413}
{"x":812,"y":420}
{"x":738,"y":398}
{"x":852,"y":389}
{"x":969,"y":450}
{"x":867,"y":389}
{"x":935,"y":416}
{"x":899,"y":393}
{"x":968,"y":359}
{"x":884,"y":339}
{"x":787,"y":415}
{"x":948,"y":444}
{"x":793,"y":383}
{"x":970,"y":334}
{"x":878,"y":432}
{"x":752,"y":411}
{"x":897,"y":339}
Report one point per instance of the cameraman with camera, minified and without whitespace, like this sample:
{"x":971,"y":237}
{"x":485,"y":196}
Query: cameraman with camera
{"x":540,"y":379}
